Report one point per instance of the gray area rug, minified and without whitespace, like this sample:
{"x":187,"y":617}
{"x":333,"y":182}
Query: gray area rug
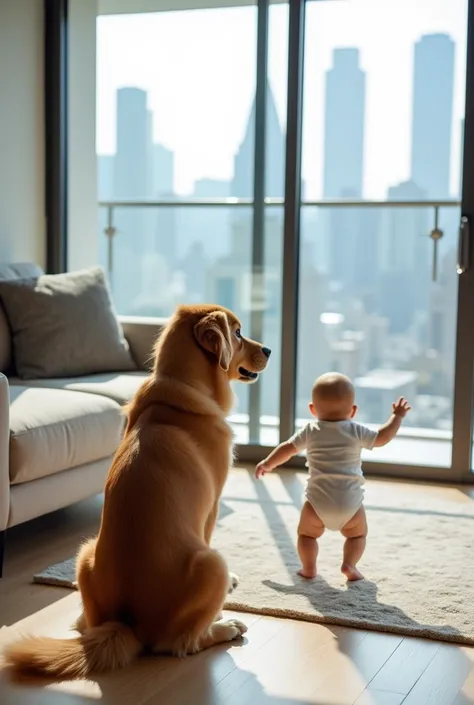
{"x":418,"y":564}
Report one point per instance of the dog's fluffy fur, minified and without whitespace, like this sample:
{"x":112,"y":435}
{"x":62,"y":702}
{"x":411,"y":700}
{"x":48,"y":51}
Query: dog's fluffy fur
{"x":149,"y":581}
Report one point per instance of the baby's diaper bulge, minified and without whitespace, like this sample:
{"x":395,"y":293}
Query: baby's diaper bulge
{"x":335,"y":498}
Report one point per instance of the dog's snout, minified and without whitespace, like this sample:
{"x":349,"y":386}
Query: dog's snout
{"x":267,"y":352}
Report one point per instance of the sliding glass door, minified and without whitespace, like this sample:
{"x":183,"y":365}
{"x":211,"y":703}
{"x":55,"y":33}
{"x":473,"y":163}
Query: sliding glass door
{"x":307,"y":164}
{"x":382,"y":155}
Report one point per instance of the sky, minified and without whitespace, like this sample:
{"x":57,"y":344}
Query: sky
{"x":199,"y":70}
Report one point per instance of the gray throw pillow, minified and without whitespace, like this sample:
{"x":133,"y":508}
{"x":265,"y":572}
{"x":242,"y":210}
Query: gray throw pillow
{"x":64,"y":325}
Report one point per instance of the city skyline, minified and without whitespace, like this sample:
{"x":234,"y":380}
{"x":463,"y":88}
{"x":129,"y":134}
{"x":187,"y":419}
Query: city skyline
{"x":352,"y":260}
{"x":344,"y":156}
{"x":204,"y":126}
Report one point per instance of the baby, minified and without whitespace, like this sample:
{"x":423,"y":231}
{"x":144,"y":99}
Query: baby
{"x":334,"y":492}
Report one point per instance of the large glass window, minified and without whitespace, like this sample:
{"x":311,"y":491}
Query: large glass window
{"x":176,"y":123}
{"x":194,"y":186}
{"x":383,"y":121}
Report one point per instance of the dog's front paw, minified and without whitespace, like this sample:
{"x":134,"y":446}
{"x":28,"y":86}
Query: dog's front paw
{"x":236,"y":628}
{"x":233,"y":581}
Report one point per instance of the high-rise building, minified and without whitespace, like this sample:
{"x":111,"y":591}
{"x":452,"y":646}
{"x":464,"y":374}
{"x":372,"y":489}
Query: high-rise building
{"x":132,"y":173}
{"x":433,"y":114}
{"x":367,"y":255}
{"x":165,"y":240}
{"x":406,"y":251}
{"x":344,"y":163}
{"x":132,"y":181}
{"x":344,"y":125}
{"x":242,"y":184}
{"x":162,"y":171}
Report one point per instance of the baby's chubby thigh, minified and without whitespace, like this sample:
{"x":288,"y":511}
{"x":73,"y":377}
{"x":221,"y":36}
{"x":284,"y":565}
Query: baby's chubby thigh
{"x":310,"y":523}
{"x":356,"y":526}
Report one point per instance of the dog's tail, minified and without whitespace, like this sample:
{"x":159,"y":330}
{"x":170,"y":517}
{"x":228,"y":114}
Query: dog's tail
{"x":108,"y":647}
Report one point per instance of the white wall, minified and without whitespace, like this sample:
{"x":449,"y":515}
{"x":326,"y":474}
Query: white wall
{"x":22,"y":222}
{"x":83,"y":231}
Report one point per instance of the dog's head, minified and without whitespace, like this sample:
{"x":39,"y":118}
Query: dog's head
{"x":218,"y":332}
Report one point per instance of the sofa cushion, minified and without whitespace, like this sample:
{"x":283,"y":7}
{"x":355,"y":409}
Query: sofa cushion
{"x":142,"y":334}
{"x":53,"y":430}
{"x":11,"y":271}
{"x":117,"y":386}
{"x":64,"y":325}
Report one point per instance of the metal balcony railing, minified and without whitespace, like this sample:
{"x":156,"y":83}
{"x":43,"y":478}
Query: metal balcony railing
{"x":435,"y":233}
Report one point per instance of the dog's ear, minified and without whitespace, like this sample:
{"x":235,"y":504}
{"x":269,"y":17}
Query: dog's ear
{"x":213,"y":334}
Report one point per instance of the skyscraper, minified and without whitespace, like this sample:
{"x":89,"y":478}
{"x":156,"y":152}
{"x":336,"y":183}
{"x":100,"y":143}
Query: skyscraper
{"x":132,"y":181}
{"x":162,"y":170}
{"x":344,"y":125}
{"x":344,"y":160}
{"x":165,"y":240}
{"x":406,"y":252}
{"x":132,"y":172}
{"x":242,"y":184}
{"x":432,"y":114}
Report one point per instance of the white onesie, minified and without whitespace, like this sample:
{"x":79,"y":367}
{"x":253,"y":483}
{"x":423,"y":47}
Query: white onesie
{"x":335,"y":483}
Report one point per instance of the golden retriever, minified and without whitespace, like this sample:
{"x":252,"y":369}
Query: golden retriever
{"x":149,"y":581}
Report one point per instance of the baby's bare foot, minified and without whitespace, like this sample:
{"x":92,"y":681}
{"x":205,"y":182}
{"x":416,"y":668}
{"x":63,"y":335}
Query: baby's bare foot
{"x":351,"y":572}
{"x":309,"y":574}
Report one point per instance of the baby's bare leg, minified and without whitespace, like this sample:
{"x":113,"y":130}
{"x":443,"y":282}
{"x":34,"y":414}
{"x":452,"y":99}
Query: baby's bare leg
{"x":355,"y":532}
{"x":310,"y":528}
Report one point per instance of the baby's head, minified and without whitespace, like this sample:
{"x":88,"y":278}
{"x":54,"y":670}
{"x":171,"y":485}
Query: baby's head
{"x":333,"y":398}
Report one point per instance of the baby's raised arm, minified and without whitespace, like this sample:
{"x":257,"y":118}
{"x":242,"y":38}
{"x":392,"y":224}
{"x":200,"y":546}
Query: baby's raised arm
{"x":390,"y":429}
{"x":279,"y":455}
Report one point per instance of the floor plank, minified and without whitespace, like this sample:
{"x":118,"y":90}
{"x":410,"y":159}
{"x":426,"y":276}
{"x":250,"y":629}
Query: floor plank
{"x":359,"y":662}
{"x":282,"y":671}
{"x":444,"y":678}
{"x":406,"y":665}
{"x":379,"y":697}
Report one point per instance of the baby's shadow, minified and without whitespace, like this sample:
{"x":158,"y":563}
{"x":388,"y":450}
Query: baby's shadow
{"x":357,"y":605}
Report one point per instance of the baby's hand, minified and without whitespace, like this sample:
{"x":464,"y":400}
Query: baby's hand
{"x":262,"y":469}
{"x":401,"y":407}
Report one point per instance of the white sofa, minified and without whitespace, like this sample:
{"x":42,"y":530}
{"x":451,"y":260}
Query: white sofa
{"x":58,"y":436}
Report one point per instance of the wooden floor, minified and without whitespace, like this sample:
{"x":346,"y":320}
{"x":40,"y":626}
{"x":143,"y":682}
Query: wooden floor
{"x":281,"y":662}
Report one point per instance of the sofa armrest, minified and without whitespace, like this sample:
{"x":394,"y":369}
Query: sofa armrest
{"x":141,"y":334}
{"x":4,"y":452}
